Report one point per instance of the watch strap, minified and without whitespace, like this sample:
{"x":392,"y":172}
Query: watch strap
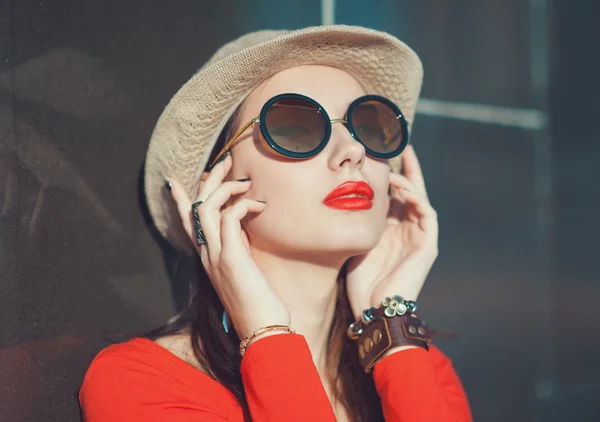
{"x":383,"y":333}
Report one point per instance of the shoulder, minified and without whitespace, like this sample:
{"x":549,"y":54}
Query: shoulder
{"x":139,"y":357}
{"x":136,"y":356}
{"x":140,"y":376}
{"x":134,"y":362}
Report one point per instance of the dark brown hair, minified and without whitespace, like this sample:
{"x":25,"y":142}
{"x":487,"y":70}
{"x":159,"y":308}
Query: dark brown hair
{"x":217,"y":351}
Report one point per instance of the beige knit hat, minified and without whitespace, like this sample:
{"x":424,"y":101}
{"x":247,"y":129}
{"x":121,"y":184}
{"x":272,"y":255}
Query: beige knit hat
{"x":190,"y":124}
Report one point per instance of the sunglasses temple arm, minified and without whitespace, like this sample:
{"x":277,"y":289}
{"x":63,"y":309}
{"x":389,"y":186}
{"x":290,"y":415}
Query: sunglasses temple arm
{"x":232,"y":140}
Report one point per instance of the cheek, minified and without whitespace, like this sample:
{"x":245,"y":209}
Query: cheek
{"x":291,"y":213}
{"x":295,"y":217}
{"x":273,"y":184}
{"x":288,"y":193}
{"x":380,"y":212}
{"x":380,"y":181}
{"x":378,"y":175}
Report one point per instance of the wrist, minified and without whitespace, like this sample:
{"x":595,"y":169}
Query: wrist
{"x":389,"y":335}
{"x":277,"y":328}
{"x":250,"y":326}
{"x":407,"y":296}
{"x":391,"y":328}
{"x":397,"y":349}
{"x":266,"y":334}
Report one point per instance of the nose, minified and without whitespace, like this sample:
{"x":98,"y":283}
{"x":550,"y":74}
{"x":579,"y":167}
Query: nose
{"x":345,"y":150}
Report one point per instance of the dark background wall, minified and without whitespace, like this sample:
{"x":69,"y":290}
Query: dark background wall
{"x":507,"y":133}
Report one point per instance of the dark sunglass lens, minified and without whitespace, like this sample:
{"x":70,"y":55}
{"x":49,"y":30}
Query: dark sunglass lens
{"x":376,"y":124}
{"x":296,"y":125}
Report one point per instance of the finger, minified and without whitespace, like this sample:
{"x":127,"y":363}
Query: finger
{"x":219,"y":197}
{"x":183,"y":207}
{"x":231,"y":225}
{"x":215,"y":178}
{"x":399,"y":181}
{"x":209,"y":213}
{"x":411,"y":168}
{"x":396,"y":206}
{"x":428,"y":220}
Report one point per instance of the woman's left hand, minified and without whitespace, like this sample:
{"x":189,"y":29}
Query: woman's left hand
{"x":401,"y":261}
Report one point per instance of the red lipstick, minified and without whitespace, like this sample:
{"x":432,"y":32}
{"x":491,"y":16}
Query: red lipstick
{"x":350,"y":196}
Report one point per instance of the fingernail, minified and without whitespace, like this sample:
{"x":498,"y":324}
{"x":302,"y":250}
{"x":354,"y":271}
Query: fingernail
{"x":246,"y":179}
{"x":221,"y":158}
{"x":261,"y":201}
{"x":168,"y":185}
{"x":224,"y":156}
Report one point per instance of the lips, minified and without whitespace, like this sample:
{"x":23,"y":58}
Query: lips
{"x":350,"y":196}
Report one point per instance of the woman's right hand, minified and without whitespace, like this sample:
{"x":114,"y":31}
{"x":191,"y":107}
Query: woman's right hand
{"x":243,"y":289}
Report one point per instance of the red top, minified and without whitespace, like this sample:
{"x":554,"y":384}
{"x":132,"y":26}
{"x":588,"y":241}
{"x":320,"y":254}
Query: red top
{"x":141,"y":381}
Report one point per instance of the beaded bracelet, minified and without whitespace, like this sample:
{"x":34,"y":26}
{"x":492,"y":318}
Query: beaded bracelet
{"x":390,"y":307}
{"x":244,"y":343}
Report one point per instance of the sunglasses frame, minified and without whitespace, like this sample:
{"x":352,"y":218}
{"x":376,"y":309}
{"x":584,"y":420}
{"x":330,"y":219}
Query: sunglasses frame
{"x":347,"y":121}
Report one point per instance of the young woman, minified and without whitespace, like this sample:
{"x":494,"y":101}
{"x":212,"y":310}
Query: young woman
{"x":291,"y":183}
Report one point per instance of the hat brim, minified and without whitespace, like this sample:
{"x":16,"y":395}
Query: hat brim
{"x":190,"y":124}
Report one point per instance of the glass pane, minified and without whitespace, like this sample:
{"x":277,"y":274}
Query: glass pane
{"x":472,"y":51}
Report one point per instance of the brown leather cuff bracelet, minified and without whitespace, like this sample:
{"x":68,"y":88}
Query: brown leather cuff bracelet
{"x":384,"y":333}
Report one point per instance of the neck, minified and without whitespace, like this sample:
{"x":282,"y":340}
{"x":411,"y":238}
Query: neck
{"x":310,"y":290}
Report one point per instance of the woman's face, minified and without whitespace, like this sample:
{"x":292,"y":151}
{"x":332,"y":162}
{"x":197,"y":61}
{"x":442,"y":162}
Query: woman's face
{"x":296,"y":221}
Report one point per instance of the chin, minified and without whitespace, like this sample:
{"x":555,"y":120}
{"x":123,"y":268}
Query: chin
{"x":355,"y":240}
{"x":338,"y":237}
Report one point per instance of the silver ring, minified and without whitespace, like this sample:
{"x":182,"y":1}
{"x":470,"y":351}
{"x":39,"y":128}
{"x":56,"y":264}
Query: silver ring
{"x":200,"y":238}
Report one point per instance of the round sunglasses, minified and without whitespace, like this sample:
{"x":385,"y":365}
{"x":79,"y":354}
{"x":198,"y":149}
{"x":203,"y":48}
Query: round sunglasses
{"x":299,"y":127}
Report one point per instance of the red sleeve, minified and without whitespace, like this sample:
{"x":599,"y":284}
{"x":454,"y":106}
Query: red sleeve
{"x":282,"y":382}
{"x":417,"y":385}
